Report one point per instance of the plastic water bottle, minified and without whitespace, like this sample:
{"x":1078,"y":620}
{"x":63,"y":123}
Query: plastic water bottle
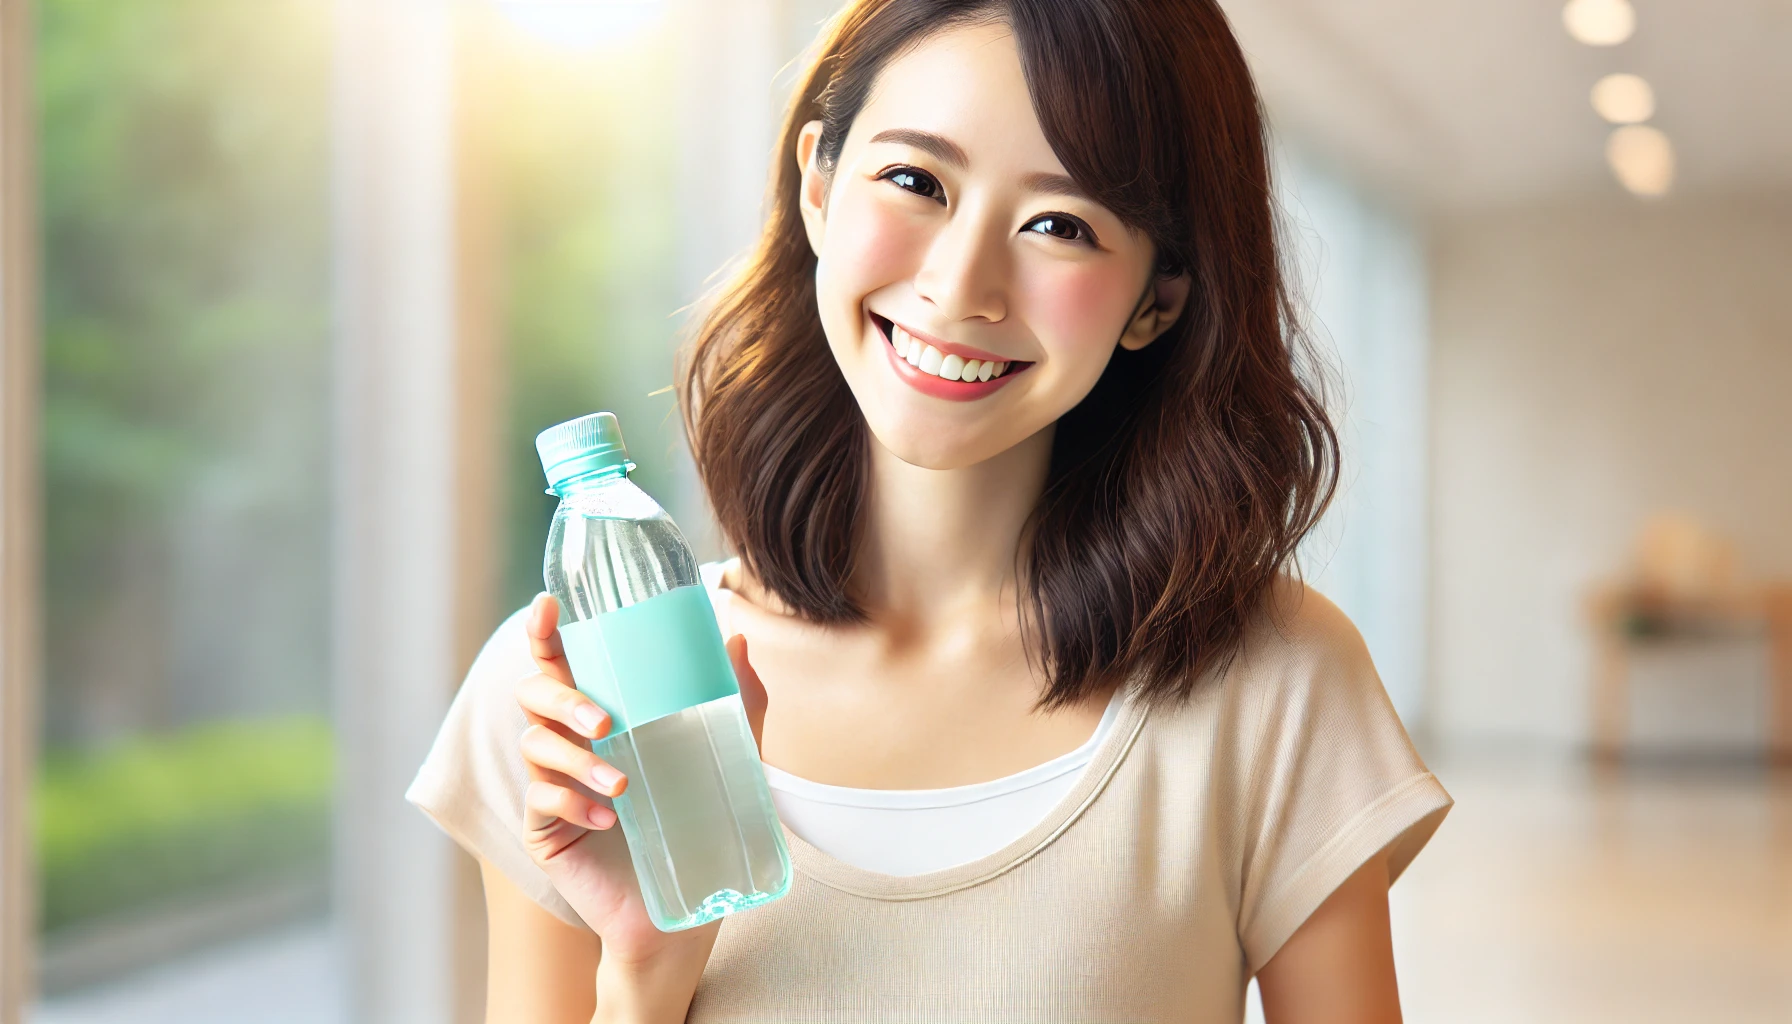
{"x":642,"y":641}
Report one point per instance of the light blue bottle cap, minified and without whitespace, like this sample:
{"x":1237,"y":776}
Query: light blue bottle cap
{"x":579,"y":448}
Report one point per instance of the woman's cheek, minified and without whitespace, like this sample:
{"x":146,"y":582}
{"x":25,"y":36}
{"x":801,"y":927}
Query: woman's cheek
{"x":1078,"y":312}
{"x":870,"y":245}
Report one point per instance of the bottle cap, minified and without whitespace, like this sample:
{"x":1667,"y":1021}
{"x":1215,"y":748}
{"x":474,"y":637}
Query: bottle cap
{"x":581,"y":447}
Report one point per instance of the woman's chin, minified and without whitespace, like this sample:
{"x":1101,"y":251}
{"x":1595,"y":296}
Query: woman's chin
{"x":936,"y":446}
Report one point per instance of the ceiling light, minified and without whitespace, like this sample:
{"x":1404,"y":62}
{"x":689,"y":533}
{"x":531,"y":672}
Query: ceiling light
{"x":1623,"y":99}
{"x":1642,"y":158}
{"x":1599,"y":22}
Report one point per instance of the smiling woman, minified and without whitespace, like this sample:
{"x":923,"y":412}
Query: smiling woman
{"x":1060,"y":224}
{"x":1005,"y":419}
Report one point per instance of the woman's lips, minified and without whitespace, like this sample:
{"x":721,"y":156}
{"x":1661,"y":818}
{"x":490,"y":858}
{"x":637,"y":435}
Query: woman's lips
{"x":924,"y":373}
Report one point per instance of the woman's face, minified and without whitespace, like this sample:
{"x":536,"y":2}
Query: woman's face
{"x":969,"y":290}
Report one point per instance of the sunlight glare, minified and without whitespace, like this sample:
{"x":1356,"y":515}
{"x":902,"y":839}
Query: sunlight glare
{"x":580,"y":24}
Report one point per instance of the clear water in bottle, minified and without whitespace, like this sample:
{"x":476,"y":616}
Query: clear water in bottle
{"x":697,"y":815}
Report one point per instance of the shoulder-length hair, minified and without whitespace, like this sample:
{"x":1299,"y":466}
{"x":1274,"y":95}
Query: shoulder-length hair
{"x":1180,"y":487}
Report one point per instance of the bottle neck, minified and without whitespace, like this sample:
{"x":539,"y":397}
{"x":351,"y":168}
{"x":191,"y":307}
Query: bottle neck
{"x":591,"y":480}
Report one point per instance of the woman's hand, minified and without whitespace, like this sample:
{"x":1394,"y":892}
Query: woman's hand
{"x":654,"y":972}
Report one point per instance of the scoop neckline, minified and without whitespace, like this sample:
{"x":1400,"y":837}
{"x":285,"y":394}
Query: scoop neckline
{"x":952,"y":796}
{"x":857,"y":881}
{"x":1104,"y":762}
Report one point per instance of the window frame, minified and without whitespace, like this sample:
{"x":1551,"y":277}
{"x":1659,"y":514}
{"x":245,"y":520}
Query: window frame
{"x":20,"y":496}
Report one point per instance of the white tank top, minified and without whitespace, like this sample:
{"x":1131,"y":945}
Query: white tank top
{"x":917,"y":831}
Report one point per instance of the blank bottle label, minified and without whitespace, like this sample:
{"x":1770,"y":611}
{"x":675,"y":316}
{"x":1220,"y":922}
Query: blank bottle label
{"x":650,"y":659}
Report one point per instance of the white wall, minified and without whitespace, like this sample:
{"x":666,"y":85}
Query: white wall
{"x":1593,"y":364}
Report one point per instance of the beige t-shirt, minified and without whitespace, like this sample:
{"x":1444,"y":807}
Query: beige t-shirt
{"x":1197,"y":840}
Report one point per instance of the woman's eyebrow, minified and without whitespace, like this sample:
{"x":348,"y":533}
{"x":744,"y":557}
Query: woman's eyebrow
{"x":1055,"y":185}
{"x":940,"y":146}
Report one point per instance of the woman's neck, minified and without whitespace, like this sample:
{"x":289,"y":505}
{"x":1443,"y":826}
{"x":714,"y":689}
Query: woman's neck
{"x":940,"y":545}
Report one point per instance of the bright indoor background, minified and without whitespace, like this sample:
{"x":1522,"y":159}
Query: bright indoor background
{"x":292,"y":284}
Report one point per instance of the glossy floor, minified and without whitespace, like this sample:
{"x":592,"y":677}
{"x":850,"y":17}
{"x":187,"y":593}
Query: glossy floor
{"x":1556,"y":892}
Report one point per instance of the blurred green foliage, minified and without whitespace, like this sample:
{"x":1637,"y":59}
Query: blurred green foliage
{"x":155,"y":821}
{"x":184,"y":176}
{"x":184,"y":208}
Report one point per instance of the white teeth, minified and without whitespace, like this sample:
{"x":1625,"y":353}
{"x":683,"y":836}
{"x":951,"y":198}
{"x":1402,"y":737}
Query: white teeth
{"x":930,"y":360}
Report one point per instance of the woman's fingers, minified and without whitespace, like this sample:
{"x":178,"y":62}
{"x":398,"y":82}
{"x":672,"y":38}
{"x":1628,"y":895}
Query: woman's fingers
{"x":550,"y":700}
{"x":546,"y":749}
{"x":544,"y":801}
{"x":556,"y":746}
{"x":752,"y":691}
{"x":542,"y":623}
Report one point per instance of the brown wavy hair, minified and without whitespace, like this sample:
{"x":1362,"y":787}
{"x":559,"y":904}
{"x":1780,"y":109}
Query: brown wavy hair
{"x":1180,"y":487}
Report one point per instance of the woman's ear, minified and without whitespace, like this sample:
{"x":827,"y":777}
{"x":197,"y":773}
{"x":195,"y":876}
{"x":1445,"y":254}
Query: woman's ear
{"x":812,"y":195}
{"x":1160,"y":307}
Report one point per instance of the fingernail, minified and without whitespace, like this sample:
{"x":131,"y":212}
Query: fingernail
{"x":609,"y":780}
{"x":588,"y":718}
{"x":601,"y":818}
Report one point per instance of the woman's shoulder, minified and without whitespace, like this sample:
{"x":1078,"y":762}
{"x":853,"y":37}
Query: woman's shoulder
{"x":1299,"y":628}
{"x":484,"y":720}
{"x":1308,"y":762}
{"x":504,"y":659}
{"x":1298,"y":651}
{"x":731,"y":586}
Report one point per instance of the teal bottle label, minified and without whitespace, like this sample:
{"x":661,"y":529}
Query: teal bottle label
{"x":651,"y":659}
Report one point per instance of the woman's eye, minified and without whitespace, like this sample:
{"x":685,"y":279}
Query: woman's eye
{"x":1059,"y":226}
{"x":919,"y":182}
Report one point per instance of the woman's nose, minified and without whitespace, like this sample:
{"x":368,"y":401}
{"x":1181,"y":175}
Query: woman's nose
{"x":965,"y":272}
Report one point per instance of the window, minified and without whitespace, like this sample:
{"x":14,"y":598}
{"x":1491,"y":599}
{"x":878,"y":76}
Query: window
{"x":183,"y":790}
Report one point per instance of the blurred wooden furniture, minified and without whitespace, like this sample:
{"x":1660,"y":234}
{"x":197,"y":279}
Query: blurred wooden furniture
{"x":1622,"y":615}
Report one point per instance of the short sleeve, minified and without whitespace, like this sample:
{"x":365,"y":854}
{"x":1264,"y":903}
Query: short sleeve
{"x":472,"y":782}
{"x":1332,"y":777}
